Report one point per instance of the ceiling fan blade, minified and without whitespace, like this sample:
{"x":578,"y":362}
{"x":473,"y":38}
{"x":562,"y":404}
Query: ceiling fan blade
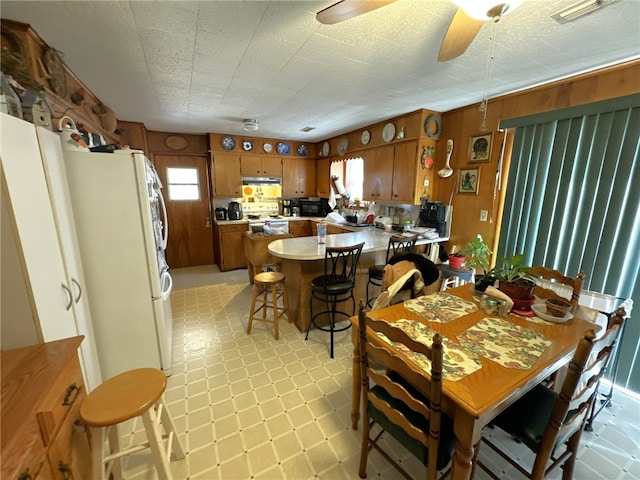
{"x":346,"y":9}
{"x":461,"y":32}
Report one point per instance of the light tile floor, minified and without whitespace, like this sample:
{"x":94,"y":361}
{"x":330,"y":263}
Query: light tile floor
{"x":251,"y":407}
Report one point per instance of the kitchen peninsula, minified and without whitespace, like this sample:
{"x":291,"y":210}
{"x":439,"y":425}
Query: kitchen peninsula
{"x":303,"y":259}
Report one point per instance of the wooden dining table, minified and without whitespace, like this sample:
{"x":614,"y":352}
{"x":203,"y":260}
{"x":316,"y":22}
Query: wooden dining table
{"x":474,"y":400}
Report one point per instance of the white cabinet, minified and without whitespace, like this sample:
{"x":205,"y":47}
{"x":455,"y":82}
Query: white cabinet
{"x":37,"y":209}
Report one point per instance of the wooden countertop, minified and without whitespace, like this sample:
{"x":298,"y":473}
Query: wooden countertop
{"x":307,"y":248}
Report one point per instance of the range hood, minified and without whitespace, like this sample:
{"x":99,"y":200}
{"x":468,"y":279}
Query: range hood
{"x":261,"y":181}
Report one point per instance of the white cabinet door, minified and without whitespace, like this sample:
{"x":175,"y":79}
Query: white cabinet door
{"x":54,"y":168}
{"x":30,"y":207}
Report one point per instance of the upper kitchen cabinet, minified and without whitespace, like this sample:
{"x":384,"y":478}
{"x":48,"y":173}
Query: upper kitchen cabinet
{"x":255,"y":166}
{"x":378,"y":173}
{"x":391,"y":173}
{"x":405,"y":172}
{"x":227,"y":176}
{"x":323,"y":177}
{"x":299,"y":177}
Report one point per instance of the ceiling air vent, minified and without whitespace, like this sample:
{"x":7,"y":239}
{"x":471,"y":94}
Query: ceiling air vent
{"x":307,"y":129}
{"x":579,"y":9}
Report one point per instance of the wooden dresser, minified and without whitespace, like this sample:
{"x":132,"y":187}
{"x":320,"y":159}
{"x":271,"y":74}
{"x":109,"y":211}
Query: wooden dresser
{"x":42,"y":388}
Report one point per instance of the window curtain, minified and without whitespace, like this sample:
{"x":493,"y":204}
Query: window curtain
{"x":573,"y":203}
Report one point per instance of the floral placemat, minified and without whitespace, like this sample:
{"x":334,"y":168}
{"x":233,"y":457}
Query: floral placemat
{"x":440,"y":307}
{"x":457,"y":362}
{"x":503,"y":342}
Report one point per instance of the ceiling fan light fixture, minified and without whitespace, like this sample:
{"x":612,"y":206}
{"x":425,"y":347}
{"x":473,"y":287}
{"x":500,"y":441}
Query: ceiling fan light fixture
{"x":250,"y":125}
{"x":487,"y":9}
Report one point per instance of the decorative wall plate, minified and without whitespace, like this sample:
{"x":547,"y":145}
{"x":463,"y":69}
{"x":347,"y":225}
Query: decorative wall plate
{"x":365,"y":137}
{"x":55,"y":69}
{"x":247,"y":146}
{"x":432,"y":126}
{"x":388,"y":132}
{"x":326,"y":149}
{"x":343,"y":145}
{"x":267,"y":147}
{"x":283,"y":148}
{"x":176,"y":142}
{"x":302,"y":150}
{"x":228,"y":143}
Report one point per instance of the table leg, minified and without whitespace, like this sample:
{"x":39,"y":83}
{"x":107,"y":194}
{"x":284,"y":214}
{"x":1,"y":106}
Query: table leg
{"x":356,"y":388}
{"x":468,"y":432}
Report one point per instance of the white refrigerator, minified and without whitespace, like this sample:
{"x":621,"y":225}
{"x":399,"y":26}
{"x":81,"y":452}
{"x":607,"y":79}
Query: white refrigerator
{"x":122,"y":233}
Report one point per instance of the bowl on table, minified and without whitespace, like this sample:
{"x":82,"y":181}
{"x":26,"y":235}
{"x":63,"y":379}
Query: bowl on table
{"x":557,"y":307}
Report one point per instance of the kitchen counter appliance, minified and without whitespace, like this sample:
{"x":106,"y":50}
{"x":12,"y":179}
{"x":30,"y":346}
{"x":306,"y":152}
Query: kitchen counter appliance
{"x":234,"y":211}
{"x":221,"y":213}
{"x":436,"y":215}
{"x":314,"y":208}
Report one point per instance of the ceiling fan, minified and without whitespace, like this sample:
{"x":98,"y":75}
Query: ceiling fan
{"x":463,"y":28}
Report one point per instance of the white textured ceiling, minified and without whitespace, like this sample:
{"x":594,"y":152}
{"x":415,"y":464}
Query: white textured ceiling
{"x":197,"y":67}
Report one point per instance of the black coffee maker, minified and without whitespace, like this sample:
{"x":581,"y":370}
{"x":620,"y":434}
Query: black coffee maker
{"x":234,"y":211}
{"x":433,"y":215}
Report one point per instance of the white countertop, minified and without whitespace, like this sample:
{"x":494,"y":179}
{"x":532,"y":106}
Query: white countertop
{"x":307,"y":248}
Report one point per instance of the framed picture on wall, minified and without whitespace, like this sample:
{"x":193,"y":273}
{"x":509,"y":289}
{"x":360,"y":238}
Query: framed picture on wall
{"x":469,"y":180}
{"x":480,"y":148}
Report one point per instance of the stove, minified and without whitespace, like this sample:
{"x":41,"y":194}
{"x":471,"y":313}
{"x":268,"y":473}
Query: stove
{"x":260,"y":209}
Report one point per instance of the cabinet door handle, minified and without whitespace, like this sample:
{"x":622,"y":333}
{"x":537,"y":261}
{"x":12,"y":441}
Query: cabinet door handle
{"x":67,"y":395}
{"x":69,"y":296}
{"x":79,"y":289}
{"x":25,"y":475}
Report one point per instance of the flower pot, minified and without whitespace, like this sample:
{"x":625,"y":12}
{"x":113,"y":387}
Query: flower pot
{"x":557,"y":308}
{"x":482,"y":283}
{"x":457,"y":262}
{"x":521,"y":289}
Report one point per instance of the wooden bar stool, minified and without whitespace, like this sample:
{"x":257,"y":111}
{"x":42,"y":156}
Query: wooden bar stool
{"x":268,"y":288}
{"x":136,"y":393}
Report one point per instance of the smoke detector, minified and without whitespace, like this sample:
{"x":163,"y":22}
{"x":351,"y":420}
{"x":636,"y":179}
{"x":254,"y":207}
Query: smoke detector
{"x":250,"y":125}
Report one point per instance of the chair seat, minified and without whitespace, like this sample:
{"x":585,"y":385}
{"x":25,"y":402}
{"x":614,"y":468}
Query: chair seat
{"x":447,"y":437}
{"x":376,"y":271}
{"x":529,"y":429}
{"x":123,"y":397}
{"x":330,"y":285}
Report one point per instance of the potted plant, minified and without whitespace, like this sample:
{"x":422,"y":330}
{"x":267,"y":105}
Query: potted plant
{"x":457,"y":261}
{"x":478,"y":255}
{"x":514,"y":279}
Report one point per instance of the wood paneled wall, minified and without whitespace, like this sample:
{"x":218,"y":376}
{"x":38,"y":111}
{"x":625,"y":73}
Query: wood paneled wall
{"x":462,"y":123}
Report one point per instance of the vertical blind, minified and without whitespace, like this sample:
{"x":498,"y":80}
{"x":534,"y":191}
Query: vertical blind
{"x":573,"y":203}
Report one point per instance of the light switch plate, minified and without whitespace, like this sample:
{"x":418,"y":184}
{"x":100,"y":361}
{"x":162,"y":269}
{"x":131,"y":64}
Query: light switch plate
{"x":484,"y":214}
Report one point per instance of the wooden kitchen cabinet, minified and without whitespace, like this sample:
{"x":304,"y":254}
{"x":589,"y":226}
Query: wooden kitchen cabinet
{"x":390,"y":173}
{"x":378,"y":173}
{"x":323,"y":177}
{"x":256,"y":166}
{"x":229,"y":239}
{"x":227,"y":177}
{"x":300,"y":228}
{"x":405,"y":165}
{"x":298,"y":177}
{"x":42,"y":390}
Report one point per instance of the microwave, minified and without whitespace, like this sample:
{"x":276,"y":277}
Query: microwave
{"x":314,"y":208}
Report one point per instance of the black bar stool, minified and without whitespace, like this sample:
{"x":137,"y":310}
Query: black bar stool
{"x":335,"y":286}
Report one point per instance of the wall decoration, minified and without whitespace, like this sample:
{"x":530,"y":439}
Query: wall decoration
{"x":480,"y":148}
{"x":469,"y":180}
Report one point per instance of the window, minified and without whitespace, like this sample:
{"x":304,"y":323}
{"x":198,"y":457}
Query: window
{"x":183,"y":183}
{"x":351,"y":172}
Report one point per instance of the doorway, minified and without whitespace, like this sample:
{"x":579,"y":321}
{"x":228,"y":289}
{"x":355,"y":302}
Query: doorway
{"x":186,"y":191}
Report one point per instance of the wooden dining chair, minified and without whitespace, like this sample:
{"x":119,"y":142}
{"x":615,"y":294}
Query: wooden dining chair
{"x":550,"y":423}
{"x":397,"y":244}
{"x":549,"y":281}
{"x":390,"y":400}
